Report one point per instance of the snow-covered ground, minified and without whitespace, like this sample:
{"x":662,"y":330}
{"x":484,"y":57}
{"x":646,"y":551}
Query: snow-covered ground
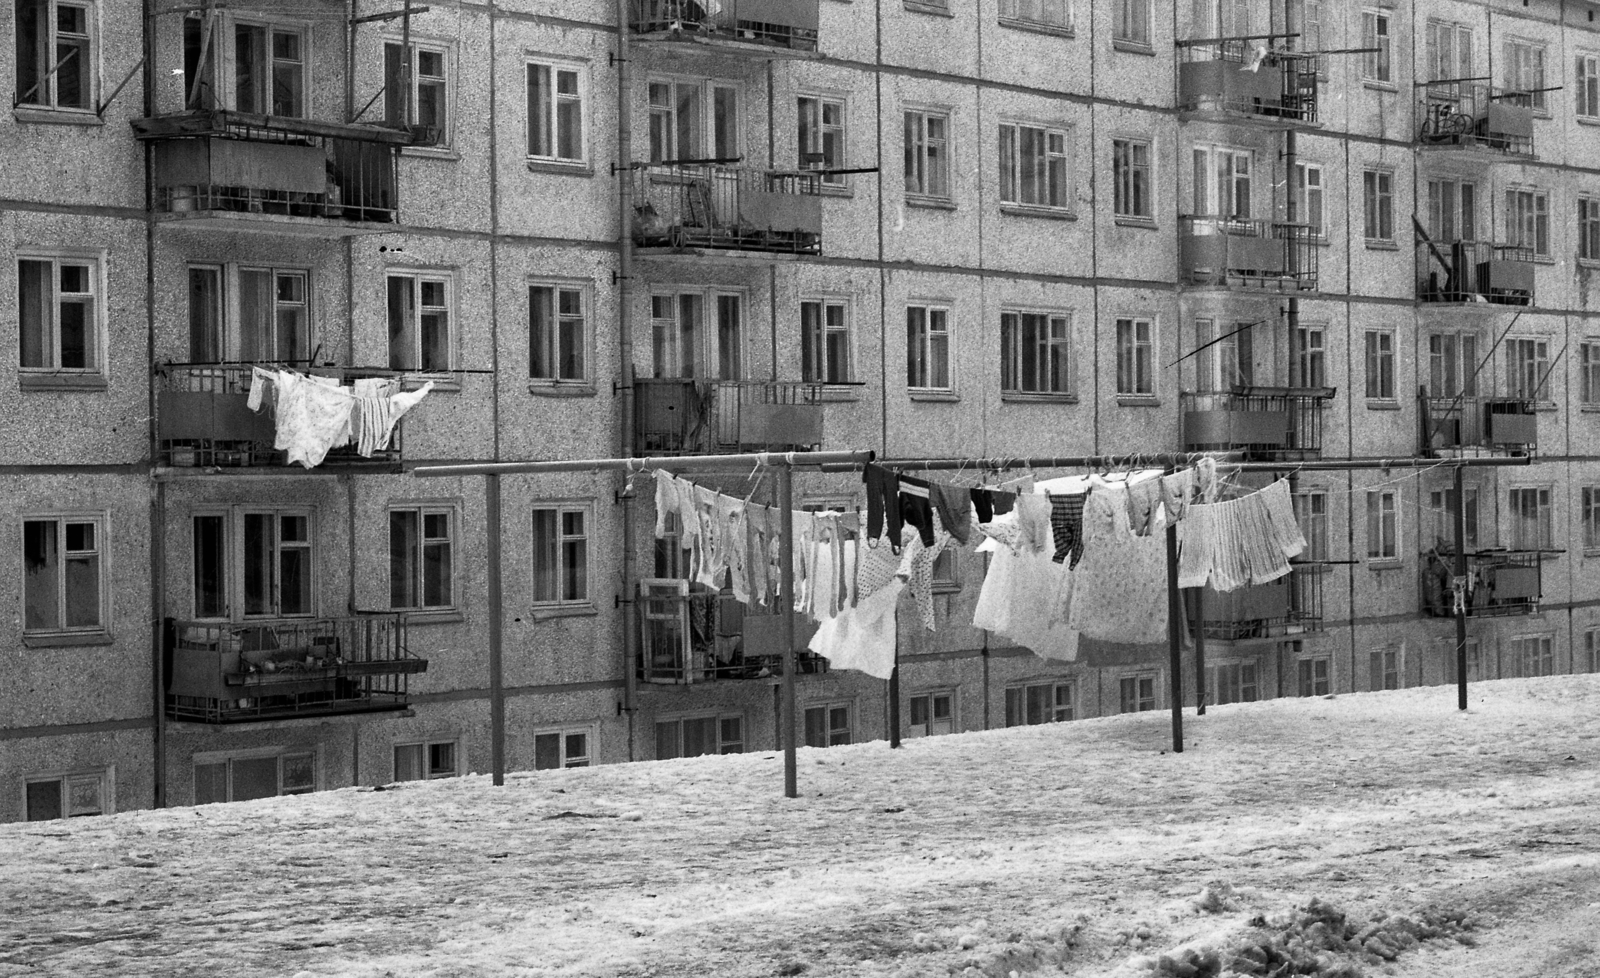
{"x":1378,"y":833}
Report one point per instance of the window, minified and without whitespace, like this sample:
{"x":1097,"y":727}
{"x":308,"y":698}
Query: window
{"x":1223,"y":18}
{"x":425,"y":761}
{"x":1587,"y":94}
{"x":1049,"y":13}
{"x":1136,"y":357}
{"x":1534,"y":655}
{"x":561,"y":555}
{"x":927,"y":150}
{"x":55,"y":54}
{"x":63,"y":574}
{"x":821,"y":138}
{"x":932,"y":714}
{"x":67,"y":796}
{"x":1589,"y":228}
{"x":1474,"y":662}
{"x":1130,"y":177}
{"x":1130,"y":21}
{"x":927,"y":348}
{"x":1442,"y":511}
{"x":555,"y":113}
{"x":253,"y":563}
{"x":256,"y":775}
{"x":420,"y":557}
{"x":692,"y":737}
{"x":1452,"y":211}
{"x":1034,"y":351}
{"x":1380,"y":365}
{"x":1452,"y":365}
{"x":825,"y":341}
{"x":683,"y":345}
{"x":249,"y":315}
{"x":1310,"y":359}
{"x":1232,"y":682}
{"x":1310,"y":23}
{"x":419,"y":321}
{"x":1226,"y":362}
{"x":1528,"y":220}
{"x":1378,"y":195}
{"x":1136,"y":694}
{"x":58,"y":314}
{"x":1528,"y":513}
{"x":1591,"y":650}
{"x":693,"y":119}
{"x":1384,"y":668}
{"x":1040,"y":703}
{"x":1222,"y":180}
{"x":943,"y":572}
{"x":1313,"y":676}
{"x":558,"y":337}
{"x":416,"y":90}
{"x":1376,"y":65}
{"x":561,"y":749}
{"x":1527,"y":368}
{"x":1591,"y":517}
{"x":249,"y":67}
{"x":1311,"y":513}
{"x":1033,"y":166}
{"x":827,"y":726}
{"x":1524,"y":71}
{"x":1447,"y":52}
{"x":1308,"y":196}
{"x":1589,"y":372}
{"x":1383,"y":525}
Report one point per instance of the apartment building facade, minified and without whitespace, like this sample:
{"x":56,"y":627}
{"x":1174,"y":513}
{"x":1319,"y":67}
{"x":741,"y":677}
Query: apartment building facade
{"x":1003,"y":228}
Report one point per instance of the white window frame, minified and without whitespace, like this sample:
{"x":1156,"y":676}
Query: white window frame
{"x":1588,"y":228}
{"x":1319,"y":685}
{"x":1528,"y":368}
{"x":724,"y":745}
{"x":1530,"y":517}
{"x":223,"y":70}
{"x":1589,"y":508}
{"x":935,"y":348}
{"x":836,"y":736}
{"x":1130,"y":22}
{"x":1447,"y":51}
{"x":813,"y":133}
{"x":1376,"y":32}
{"x":1311,"y":514}
{"x":1057,"y":701}
{"x":709,"y":141}
{"x":1386,"y":665}
{"x":1527,"y":219}
{"x":1242,"y":678}
{"x":1524,"y":62}
{"x":425,"y":768}
{"x":1442,"y":513}
{"x":102,"y":780}
{"x":1133,"y":183}
{"x":1452,"y":210}
{"x":933,"y":725}
{"x":1055,"y":16}
{"x":49,"y":340}
{"x":710,"y":361}
{"x":45,"y":92}
{"x":281,"y":754}
{"x":1377,"y":205}
{"x":550,"y":151}
{"x":818,"y":364}
{"x":1054,"y":366}
{"x":1589,"y":372}
{"x":1381,"y":382}
{"x":1139,"y":697}
{"x":552,"y":341}
{"x":101,"y":553}
{"x":929,"y":174}
{"x":1383,"y":526}
{"x":1310,"y":367}
{"x":1310,"y":197}
{"x":1586,"y":95}
{"x":1222,"y":182}
{"x":449,"y":543}
{"x":233,"y":561}
{"x":1052,"y":168}
{"x":229,"y":338}
{"x":1452,"y":363}
{"x":1136,"y":353}
{"x":1535,"y":648}
{"x":445,"y":81}
{"x":565,"y":756}
{"x":565,"y":575}
{"x":420,"y":277}
{"x":1221,"y":364}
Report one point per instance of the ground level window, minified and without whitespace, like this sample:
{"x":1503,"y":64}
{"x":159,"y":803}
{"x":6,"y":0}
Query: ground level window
{"x":932,"y":713}
{"x":1233,"y":682}
{"x":1385,"y":668}
{"x":258,"y":776}
{"x":1040,"y":703}
{"x":1313,"y":675}
{"x":694,"y":736}
{"x":419,"y":762}
{"x":828,"y":725}
{"x":561,"y":748}
{"x":1136,"y":694}
{"x":66,"y":796}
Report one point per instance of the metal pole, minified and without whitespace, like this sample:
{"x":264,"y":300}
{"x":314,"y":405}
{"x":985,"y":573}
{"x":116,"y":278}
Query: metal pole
{"x":675,"y":463}
{"x":1174,"y":630}
{"x":630,"y":556}
{"x":791,"y":788}
{"x":894,"y":693}
{"x":1460,"y":595}
{"x":497,"y":694}
{"x":1199,"y":650}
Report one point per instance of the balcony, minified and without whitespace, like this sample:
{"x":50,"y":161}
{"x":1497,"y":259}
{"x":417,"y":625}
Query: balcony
{"x":204,"y":422}
{"x":698,"y":208}
{"x":1499,"y":583}
{"x":1466,"y":114}
{"x":1291,"y":605}
{"x":286,"y":668}
{"x":761,"y":28}
{"x":1475,"y":272}
{"x":683,"y":416}
{"x":1246,"y":255}
{"x":1237,"y":79}
{"x":692,"y":637}
{"x":1471,"y":425}
{"x":240,"y":171}
{"x":1265,"y":423}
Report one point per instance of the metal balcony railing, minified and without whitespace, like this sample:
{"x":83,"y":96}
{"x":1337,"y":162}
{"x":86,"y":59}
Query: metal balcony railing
{"x":1247,"y":254}
{"x":1241,"y":78}
{"x":723,"y":207}
{"x":683,"y":416}
{"x":1450,"y":424}
{"x":1475,"y":271}
{"x":1266,"y":423}
{"x":231,"y":672}
{"x":203,"y":419}
{"x":694,"y":636}
{"x":1499,"y":583}
{"x":784,"y":24}
{"x":1471,"y":114}
{"x":1290,"y":605}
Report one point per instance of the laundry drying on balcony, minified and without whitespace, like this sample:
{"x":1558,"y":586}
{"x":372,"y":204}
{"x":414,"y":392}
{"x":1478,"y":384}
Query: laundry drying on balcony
{"x":316,"y":414}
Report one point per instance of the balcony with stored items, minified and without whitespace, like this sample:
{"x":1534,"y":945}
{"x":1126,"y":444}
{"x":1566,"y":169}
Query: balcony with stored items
{"x":238,"y":672}
{"x":1246,"y":255}
{"x":1242,"y":79}
{"x":1265,"y":423}
{"x":751,"y":28}
{"x":205,"y":423}
{"x":1475,"y":272}
{"x":1291,"y":605}
{"x":1470,"y":425}
{"x":719,"y":208}
{"x":686,"y":416}
{"x":1469,"y":114}
{"x":693,"y":636}
{"x":1499,"y":583}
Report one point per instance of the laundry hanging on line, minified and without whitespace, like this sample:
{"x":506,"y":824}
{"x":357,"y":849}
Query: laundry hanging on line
{"x":313,"y":415}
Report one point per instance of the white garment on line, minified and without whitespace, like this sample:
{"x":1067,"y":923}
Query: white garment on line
{"x":862,"y":637}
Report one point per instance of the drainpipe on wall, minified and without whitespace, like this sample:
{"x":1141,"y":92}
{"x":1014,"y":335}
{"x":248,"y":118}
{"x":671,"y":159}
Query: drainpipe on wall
{"x":624,"y":175}
{"x":158,"y":493}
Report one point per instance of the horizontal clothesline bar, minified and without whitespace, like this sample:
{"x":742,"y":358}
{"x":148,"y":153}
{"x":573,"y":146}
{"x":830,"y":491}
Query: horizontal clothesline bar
{"x":1133,"y":459}
{"x":680,"y":463}
{"x":1355,"y":464}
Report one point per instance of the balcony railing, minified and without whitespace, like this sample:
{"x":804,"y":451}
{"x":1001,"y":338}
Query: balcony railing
{"x":203,"y":420}
{"x":682,"y":416}
{"x":1288,"y":606}
{"x":776,"y":25}
{"x":1467,"y":113}
{"x":1246,"y":254}
{"x":727,"y":208}
{"x":239,"y":170}
{"x":222,"y":672}
{"x":1475,"y":271}
{"x":1498,"y":583}
{"x":1266,"y":423}
{"x":700,"y":636}
{"x":1453,"y":424}
{"x":1238,"y":78}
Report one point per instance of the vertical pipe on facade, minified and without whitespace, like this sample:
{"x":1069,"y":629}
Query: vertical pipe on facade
{"x":1459,"y":594}
{"x":497,"y":696}
{"x":883,"y":273}
{"x":494,"y":227}
{"x":158,"y":502}
{"x":1291,"y":208}
{"x":624,"y":174}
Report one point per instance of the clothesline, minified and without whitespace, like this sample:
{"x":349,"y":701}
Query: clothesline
{"x":313,"y":415}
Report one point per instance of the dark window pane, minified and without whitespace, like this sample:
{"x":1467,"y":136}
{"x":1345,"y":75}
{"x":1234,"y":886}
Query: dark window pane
{"x":255,"y":777}
{"x":41,"y":568}
{"x":44,"y":800}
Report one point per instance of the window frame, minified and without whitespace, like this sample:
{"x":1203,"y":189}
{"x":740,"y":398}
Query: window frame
{"x":554,"y":66}
{"x":1586,"y":96}
{"x":1124,"y":27}
{"x":1238,"y":690}
{"x":1013,"y":321}
{"x":724,"y":744}
{"x":1383,"y":526}
{"x":280,"y":754}
{"x":1139,"y":699}
{"x":1588,"y":228}
{"x":1132,"y":182}
{"x":1011,"y":14}
{"x":1452,"y":209}
{"x":1441,"y":507}
{"x":1220,"y":188}
{"x":1525,"y":64}
{"x":1537,"y":647}
{"x":446,"y":81}
{"x":1309,"y":369}
{"x":1311,"y":514}
{"x":103,"y":779}
{"x":817,"y":361}
{"x":1452,"y":351}
{"x":426,"y":769}
{"x":560,"y":603}
{"x":1136,"y":363}
{"x":1054,"y":184}
{"x":60,"y":632}
{"x":1591,"y":649}
{"x":50,"y":67}
{"x":419,"y":277}
{"x":1379,"y":357}
{"x":930,"y":699}
{"x":1377,"y":67}
{"x":1020,"y":703}
{"x":233,"y":561}
{"x":1377,"y":206}
{"x":1530,"y":517}
{"x":1589,"y":511}
{"x":711,"y":358}
{"x":228,"y":332}
{"x":711,"y":139}
{"x":1386,"y":668}
{"x":819,"y":132}
{"x":223,"y":70}
{"x":921,"y":178}
{"x":921,"y":363}
{"x":1305,"y":191}
{"x":565,"y":758}
{"x":418,"y":583}
{"x":549,"y":339}
{"x":48,"y":341}
{"x":836,"y":736}
{"x":1525,"y":357}
{"x":1222,"y":364}
{"x":1527,"y":219}
{"x":1319,"y":685}
{"x":1589,"y":373}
